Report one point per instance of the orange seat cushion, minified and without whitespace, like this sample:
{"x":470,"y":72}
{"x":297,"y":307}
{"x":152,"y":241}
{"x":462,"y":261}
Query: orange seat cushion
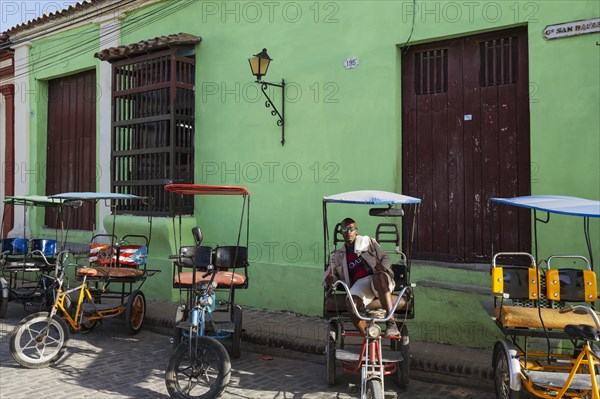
{"x":106,"y":271}
{"x":522,"y":317}
{"x":223,"y":279}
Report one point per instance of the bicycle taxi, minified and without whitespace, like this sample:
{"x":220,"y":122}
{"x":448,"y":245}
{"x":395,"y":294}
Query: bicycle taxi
{"x":547,"y":312}
{"x":345,"y":346}
{"x":110,"y":286}
{"x":207,"y":278}
{"x":25,"y":277}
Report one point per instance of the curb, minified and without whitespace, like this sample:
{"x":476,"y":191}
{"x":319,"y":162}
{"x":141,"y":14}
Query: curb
{"x":426,"y":367}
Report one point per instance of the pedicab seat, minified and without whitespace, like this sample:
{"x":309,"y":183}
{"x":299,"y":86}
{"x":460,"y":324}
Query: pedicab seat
{"x":112,"y":262}
{"x":199,"y":257}
{"x":111,"y":272}
{"x":526,"y":317}
{"x":521,"y":292}
{"x":15,"y":247}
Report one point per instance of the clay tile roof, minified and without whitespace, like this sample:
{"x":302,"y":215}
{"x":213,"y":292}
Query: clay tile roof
{"x":82,"y":5}
{"x":145,"y":46}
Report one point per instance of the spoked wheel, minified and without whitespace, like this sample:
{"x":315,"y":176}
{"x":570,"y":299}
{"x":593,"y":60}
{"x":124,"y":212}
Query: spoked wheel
{"x":39,"y":340}
{"x":502,"y":375}
{"x":402,"y":368}
{"x":3,"y":304}
{"x":330,"y":350}
{"x":85,"y":324}
{"x":4,"y":290}
{"x":135,"y":312}
{"x":200,"y":369}
{"x":374,"y":389}
{"x":236,"y":337}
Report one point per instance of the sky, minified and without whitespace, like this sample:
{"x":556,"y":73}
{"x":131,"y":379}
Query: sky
{"x":14,"y":12}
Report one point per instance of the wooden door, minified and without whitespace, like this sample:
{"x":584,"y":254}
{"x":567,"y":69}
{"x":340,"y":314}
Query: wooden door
{"x":71,"y":147}
{"x":465,"y":139}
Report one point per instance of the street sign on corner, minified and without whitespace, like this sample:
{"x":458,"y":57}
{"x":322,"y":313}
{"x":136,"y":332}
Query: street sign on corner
{"x":569,"y":29}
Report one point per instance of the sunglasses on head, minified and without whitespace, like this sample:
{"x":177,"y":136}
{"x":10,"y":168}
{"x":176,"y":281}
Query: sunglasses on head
{"x":349,"y":229}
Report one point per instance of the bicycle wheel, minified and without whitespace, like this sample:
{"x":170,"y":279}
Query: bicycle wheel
{"x":199,"y":369}
{"x":38,"y":340}
{"x":87,"y":310}
{"x":236,"y":337}
{"x":374,"y":389}
{"x":135,"y":312}
{"x":402,"y":368}
{"x":3,"y":306}
{"x":501,"y":375}
{"x":330,"y":350}
{"x":180,"y":315}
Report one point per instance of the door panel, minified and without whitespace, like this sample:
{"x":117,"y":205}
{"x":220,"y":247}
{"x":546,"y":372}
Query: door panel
{"x":466,"y":139}
{"x":71,"y":147}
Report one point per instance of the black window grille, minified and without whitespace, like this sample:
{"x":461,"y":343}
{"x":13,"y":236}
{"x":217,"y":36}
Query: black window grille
{"x":498,"y":62}
{"x":431,"y":72}
{"x":153,"y":129}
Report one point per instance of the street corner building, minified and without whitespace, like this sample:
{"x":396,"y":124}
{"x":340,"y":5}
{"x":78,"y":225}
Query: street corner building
{"x":451,"y":102}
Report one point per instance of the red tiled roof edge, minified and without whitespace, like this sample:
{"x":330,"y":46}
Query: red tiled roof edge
{"x":54,"y":15}
{"x":144,"y":46}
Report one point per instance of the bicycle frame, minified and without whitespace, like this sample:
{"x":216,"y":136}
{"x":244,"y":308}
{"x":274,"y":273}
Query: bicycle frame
{"x":370,"y":361}
{"x":76,"y":320}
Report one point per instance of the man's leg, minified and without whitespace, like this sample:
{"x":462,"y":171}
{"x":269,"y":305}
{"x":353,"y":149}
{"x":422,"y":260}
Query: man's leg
{"x":381,"y":284}
{"x":360,"y":325}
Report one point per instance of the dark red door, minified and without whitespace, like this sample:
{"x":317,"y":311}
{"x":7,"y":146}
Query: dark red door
{"x":71,"y":148}
{"x":465,"y":139}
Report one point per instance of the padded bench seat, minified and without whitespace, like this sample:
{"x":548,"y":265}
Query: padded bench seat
{"x":111,"y":272}
{"x":332,"y":306}
{"x":524,"y":317}
{"x":223,"y":279}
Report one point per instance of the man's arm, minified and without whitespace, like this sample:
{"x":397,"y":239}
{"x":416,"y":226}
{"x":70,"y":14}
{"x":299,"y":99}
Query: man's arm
{"x":330,"y":275}
{"x":383,"y":260}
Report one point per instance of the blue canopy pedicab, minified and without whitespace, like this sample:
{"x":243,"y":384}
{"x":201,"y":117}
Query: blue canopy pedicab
{"x":365,"y":356}
{"x":24,"y":276}
{"x":547,"y":312}
{"x":110,"y":286}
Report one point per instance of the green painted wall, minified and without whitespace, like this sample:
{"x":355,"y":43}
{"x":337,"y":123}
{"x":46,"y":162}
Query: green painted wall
{"x":343,"y":126}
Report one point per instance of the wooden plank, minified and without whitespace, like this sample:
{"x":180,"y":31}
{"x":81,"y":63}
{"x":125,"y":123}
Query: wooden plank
{"x":439,"y":169}
{"x":523,"y":137}
{"x":424,"y":174}
{"x":508,"y":171}
{"x":472,"y":144}
{"x":455,"y":153}
{"x":409,"y":135}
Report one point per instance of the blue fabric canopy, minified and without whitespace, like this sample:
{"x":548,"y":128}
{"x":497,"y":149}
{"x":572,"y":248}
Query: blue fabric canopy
{"x":373,"y":197}
{"x":32,"y":200}
{"x":96,"y":196}
{"x":563,"y":205}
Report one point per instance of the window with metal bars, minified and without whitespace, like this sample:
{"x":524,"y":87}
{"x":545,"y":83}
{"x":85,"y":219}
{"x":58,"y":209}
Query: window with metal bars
{"x":431,"y":72}
{"x":498,"y":62}
{"x":153,"y":129}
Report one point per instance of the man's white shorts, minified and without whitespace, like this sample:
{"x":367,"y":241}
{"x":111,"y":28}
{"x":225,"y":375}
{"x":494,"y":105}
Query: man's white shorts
{"x":365,"y":290}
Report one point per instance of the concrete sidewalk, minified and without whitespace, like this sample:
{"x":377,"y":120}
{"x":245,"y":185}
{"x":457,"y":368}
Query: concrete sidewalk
{"x":289,"y":331}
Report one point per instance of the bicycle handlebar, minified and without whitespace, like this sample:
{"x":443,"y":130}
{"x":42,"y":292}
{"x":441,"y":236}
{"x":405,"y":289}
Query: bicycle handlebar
{"x":355,"y":309}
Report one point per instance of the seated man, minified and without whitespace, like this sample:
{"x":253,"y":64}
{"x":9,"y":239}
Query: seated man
{"x":366,"y":269}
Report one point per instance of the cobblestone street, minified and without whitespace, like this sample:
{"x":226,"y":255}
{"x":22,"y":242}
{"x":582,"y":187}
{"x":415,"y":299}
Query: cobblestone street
{"x":107,"y":363}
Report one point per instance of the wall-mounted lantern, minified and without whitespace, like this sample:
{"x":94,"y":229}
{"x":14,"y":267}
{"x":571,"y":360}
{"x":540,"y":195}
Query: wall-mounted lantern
{"x":259,"y":64}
